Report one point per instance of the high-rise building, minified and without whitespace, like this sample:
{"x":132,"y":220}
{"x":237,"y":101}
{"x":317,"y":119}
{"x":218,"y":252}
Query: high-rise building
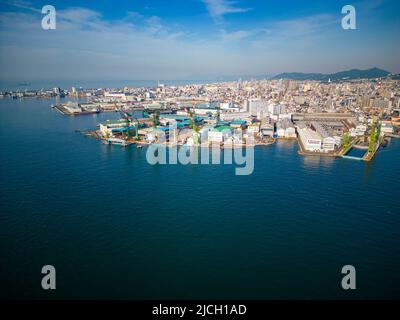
{"x":255,"y":106}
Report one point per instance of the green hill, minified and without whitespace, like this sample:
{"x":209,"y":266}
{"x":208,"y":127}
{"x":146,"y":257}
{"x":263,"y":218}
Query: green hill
{"x":343,"y":75}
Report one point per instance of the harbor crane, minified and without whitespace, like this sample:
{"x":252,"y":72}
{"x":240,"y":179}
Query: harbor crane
{"x":130,"y":118}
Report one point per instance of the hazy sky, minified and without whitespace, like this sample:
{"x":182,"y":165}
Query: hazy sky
{"x":193,"y":39}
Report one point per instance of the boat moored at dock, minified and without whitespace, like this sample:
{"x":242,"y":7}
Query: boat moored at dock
{"x":116,"y":141}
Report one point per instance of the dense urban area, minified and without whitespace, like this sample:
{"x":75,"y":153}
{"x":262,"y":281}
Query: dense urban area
{"x":327,"y":118}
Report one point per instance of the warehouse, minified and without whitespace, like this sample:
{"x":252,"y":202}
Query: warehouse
{"x":310,"y":139}
{"x":387,"y":127}
{"x":285,"y":129}
{"x":324,"y":130}
{"x":109,"y":128}
{"x":219,"y":134}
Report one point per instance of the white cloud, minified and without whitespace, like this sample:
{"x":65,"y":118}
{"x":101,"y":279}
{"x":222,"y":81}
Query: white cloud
{"x":236,"y":35}
{"x":306,"y":26}
{"x":85,"y":46}
{"x":22,"y":5}
{"x":79,"y":15}
{"x":218,"y":8}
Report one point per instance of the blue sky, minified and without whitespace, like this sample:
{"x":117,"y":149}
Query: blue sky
{"x":193,"y":39}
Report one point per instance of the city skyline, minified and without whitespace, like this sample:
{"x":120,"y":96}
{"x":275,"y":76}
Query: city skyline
{"x":196,"y":39}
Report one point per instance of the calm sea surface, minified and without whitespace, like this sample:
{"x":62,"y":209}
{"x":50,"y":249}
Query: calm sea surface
{"x":116,"y":227}
{"x":67,"y":84}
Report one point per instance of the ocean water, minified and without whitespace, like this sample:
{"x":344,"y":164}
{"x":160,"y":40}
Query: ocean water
{"x":86,"y":84}
{"x":116,"y":227}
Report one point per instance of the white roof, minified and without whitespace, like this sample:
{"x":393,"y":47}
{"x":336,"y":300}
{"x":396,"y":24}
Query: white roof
{"x":309,"y":134}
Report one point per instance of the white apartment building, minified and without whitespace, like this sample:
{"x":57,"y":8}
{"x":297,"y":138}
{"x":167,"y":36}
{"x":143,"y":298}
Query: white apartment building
{"x":256,"y":106}
{"x":276,"y":109}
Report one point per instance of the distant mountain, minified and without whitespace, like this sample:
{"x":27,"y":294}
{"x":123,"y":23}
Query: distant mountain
{"x":343,"y":75}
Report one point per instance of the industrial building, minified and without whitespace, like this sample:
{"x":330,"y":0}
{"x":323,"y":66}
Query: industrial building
{"x":206,"y":109}
{"x":72,"y":108}
{"x":285,"y":129}
{"x":310,"y":139}
{"x":220,"y":134}
{"x":229,"y":116}
{"x":387,"y":127}
{"x":267,"y":130}
{"x":327,"y":130}
{"x":110,"y":128}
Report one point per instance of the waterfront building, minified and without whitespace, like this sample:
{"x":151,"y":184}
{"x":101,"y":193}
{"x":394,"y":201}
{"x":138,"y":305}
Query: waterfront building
{"x":159,"y":134}
{"x":110,"y":128}
{"x":220,"y":134}
{"x":285,"y":129}
{"x":235,"y":139}
{"x":338,"y":141}
{"x":387,"y":127}
{"x":310,"y":139}
{"x":267,"y":130}
{"x":29,"y":94}
{"x":108,"y":107}
{"x":203,"y":132}
{"x":57,"y":91}
{"x":90,"y":107}
{"x":328,"y":144}
{"x":325,"y":131}
{"x":290,"y":132}
{"x":185,"y":135}
{"x":72,"y":108}
{"x":280,"y":132}
{"x":254,"y":129}
{"x":396,"y":121}
{"x":151,"y":135}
